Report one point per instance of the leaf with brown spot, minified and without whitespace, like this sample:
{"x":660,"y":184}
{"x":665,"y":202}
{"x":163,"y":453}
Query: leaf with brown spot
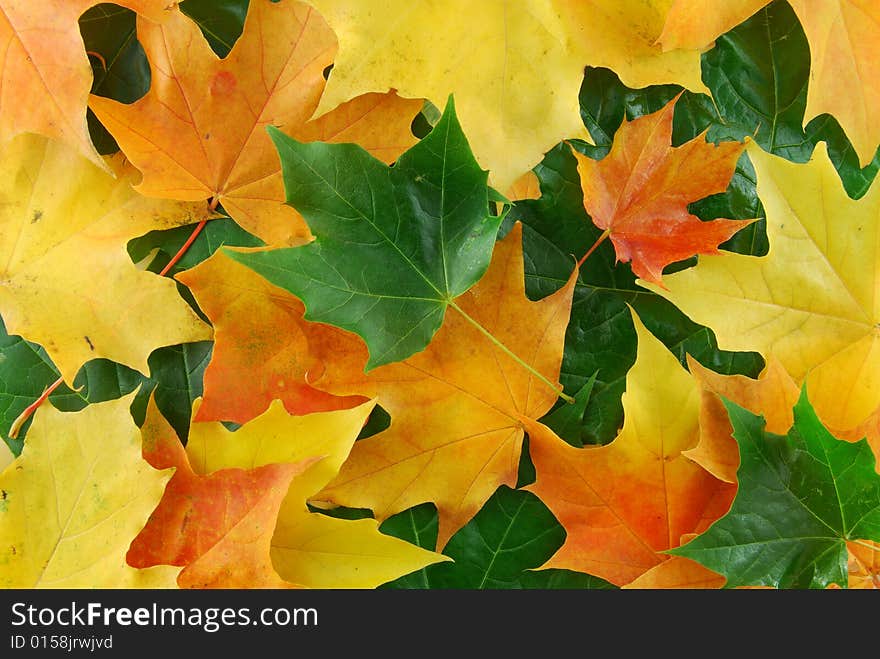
{"x":66,"y":279}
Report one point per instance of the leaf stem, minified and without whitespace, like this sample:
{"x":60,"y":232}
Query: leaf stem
{"x":592,"y":249}
{"x":189,"y":241}
{"x":99,"y":57}
{"x":564,"y":396}
{"x":15,"y":428}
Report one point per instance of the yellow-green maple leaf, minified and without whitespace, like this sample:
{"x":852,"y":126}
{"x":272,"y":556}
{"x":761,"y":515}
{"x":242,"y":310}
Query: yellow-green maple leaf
{"x":514,"y":68}
{"x":813,"y":301}
{"x":310,"y":549}
{"x":74,"y":500}
{"x":66,"y":280}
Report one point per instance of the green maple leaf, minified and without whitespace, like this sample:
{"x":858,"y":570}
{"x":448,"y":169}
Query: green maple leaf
{"x":394,"y":246}
{"x":801,"y":497}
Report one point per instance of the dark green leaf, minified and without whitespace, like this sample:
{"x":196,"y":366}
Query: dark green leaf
{"x":394,"y":245}
{"x":513,"y":533}
{"x":758,"y":74}
{"x":800,"y":498}
{"x":176,"y":376}
{"x":554,"y":579}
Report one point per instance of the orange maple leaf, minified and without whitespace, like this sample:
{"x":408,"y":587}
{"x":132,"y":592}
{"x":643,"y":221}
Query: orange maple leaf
{"x":624,"y":503}
{"x":220,"y":525}
{"x":200,"y":132}
{"x":263,"y":348}
{"x":45,"y":82}
{"x":457,"y":407}
{"x":640,"y":191}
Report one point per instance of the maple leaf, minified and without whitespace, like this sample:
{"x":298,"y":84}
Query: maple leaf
{"x":200,"y":132}
{"x":263,"y":348}
{"x":456,"y":407}
{"x":67,"y":281}
{"x":219,"y":526}
{"x":513,"y":533}
{"x":801,"y":497}
{"x":45,"y":82}
{"x":624,"y":503}
{"x":394,"y":246}
{"x":601,"y":338}
{"x":512,"y":109}
{"x":74,"y":499}
{"x":307,"y":548}
{"x":811,"y":302}
{"x":639,"y":193}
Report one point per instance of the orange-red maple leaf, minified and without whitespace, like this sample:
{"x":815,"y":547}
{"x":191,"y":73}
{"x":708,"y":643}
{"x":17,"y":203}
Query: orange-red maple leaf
{"x":457,"y":407}
{"x":639,"y":193}
{"x":200,"y":132}
{"x":263,"y":348}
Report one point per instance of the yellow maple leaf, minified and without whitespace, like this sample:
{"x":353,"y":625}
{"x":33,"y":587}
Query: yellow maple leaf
{"x":200,"y":132}
{"x":66,"y":280}
{"x":75,"y":498}
{"x":307,"y":548}
{"x":44,"y":82}
{"x":514,"y":68}
{"x":813,"y":302}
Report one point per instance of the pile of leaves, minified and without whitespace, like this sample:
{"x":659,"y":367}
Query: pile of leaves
{"x":352,"y":295}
